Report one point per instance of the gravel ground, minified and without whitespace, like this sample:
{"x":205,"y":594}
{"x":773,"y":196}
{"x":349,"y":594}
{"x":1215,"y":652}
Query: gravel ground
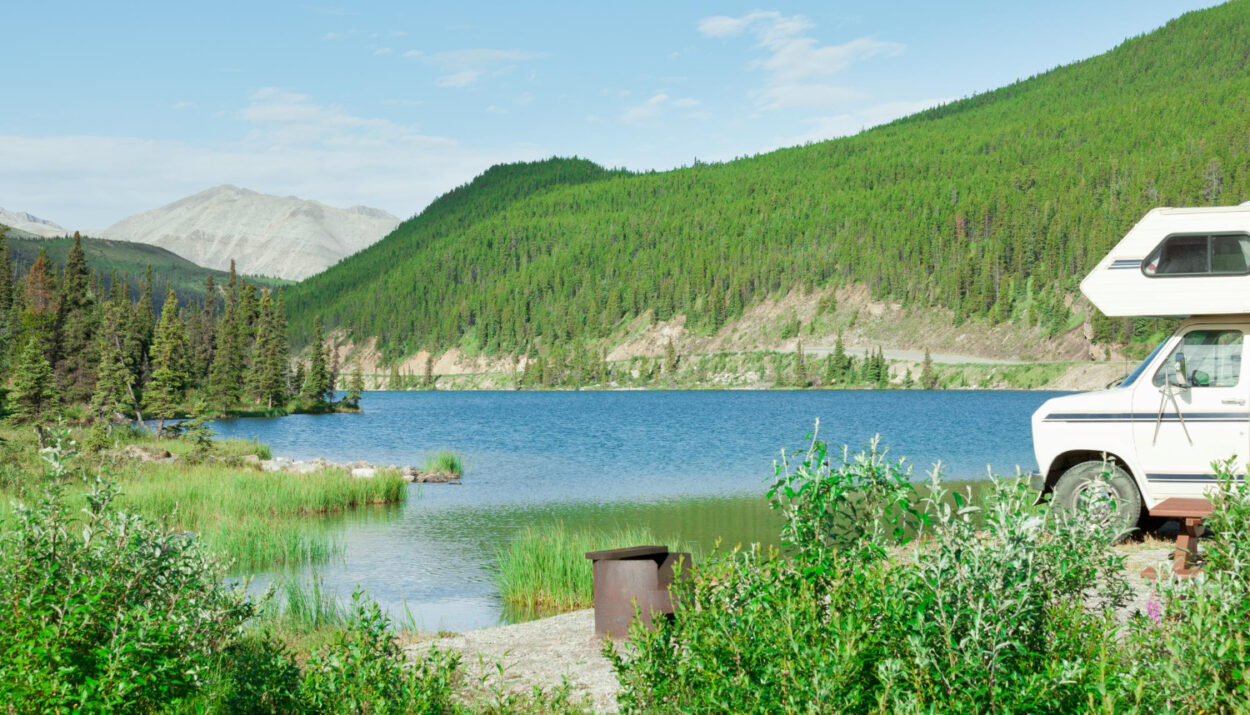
{"x":538,"y":653}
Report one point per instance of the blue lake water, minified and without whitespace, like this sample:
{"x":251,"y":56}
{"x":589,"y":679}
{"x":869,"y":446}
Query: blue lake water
{"x":689,"y":464}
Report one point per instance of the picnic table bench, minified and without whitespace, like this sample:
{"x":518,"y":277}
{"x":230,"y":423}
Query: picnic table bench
{"x":1191,"y":511}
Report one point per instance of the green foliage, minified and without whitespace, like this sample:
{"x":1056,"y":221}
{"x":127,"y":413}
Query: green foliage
{"x":104,"y":610}
{"x":128,"y":261}
{"x":355,"y":388}
{"x":316,"y":384}
{"x":364,"y":670}
{"x":165,"y":391}
{"x":34,"y":391}
{"x":928,"y":377}
{"x":890,"y":598}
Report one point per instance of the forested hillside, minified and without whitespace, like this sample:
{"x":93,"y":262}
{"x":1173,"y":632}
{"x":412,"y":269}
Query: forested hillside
{"x":993,"y":206}
{"x":129,"y":262}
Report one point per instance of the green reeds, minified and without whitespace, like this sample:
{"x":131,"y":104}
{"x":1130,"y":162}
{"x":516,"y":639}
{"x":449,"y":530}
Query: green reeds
{"x":257,"y":519}
{"x":544,"y":570}
{"x":444,"y":462}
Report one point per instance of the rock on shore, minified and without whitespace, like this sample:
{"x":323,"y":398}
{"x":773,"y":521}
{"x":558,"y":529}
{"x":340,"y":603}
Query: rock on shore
{"x":358,"y":470}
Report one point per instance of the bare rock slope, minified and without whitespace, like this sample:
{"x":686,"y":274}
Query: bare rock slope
{"x":24,"y":222}
{"x":286,"y":237}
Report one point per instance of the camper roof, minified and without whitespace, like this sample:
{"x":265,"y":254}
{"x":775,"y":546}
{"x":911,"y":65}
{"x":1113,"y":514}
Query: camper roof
{"x":1177,"y":262}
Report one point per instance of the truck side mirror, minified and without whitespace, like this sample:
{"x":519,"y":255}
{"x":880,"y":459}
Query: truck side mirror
{"x":1177,"y":376}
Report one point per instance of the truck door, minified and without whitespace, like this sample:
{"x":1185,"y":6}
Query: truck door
{"x":1204,"y":413}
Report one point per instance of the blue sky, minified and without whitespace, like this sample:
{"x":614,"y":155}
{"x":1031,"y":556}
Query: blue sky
{"x":115,"y":108}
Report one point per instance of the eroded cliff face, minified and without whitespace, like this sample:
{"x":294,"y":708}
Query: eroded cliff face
{"x":284,"y":237}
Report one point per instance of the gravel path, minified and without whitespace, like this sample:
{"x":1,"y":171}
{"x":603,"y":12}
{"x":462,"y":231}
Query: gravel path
{"x":539,"y":653}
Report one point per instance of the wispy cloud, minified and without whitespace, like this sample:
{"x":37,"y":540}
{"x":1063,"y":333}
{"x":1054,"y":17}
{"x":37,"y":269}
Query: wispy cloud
{"x":845,"y":124}
{"x":798,"y":68}
{"x":382,"y":51}
{"x":184,"y":105}
{"x":284,"y":142}
{"x":654,"y":106}
{"x":461,"y":68}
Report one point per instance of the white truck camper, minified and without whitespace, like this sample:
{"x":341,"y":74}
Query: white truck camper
{"x":1184,"y":407}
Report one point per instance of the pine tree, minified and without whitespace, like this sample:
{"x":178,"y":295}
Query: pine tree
{"x":8,"y":330}
{"x":165,"y":391}
{"x":76,"y":350}
{"x":317,"y":379}
{"x":355,"y":388}
{"x":142,"y":326}
{"x":800,"y":367}
{"x":428,"y":380}
{"x":928,"y":378}
{"x":34,"y":386}
{"x":114,"y":381}
{"x":670,"y":358}
{"x":266,"y":377}
{"x":297,"y":380}
{"x":841,"y":363}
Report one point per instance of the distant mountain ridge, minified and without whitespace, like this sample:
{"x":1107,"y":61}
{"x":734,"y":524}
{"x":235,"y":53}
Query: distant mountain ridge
{"x":30,"y":224}
{"x":285,"y":237}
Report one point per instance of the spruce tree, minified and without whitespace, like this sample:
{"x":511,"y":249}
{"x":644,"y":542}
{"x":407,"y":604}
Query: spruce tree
{"x":8,"y":333}
{"x":165,"y":391}
{"x":266,"y":378}
{"x":114,"y":381}
{"x":428,"y":380}
{"x":928,"y":377}
{"x":355,"y":388}
{"x":34,"y":386}
{"x":800,"y":367}
{"x":670,"y":358}
{"x":316,"y":380}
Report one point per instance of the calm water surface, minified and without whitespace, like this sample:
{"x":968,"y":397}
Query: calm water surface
{"x":687,"y":464}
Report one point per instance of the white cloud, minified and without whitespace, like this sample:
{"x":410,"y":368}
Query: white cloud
{"x":840,"y":125}
{"x":461,"y":68}
{"x":797,"y":66}
{"x":686,"y":102}
{"x":382,"y":51}
{"x":284,"y":143}
{"x":184,"y":105}
{"x":647,"y":110}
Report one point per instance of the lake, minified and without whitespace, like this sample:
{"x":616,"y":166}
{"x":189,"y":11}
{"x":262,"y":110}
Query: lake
{"x":689,"y":464}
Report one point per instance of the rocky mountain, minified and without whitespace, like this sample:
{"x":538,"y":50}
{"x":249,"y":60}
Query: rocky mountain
{"x":29,"y":224}
{"x":284,"y":237}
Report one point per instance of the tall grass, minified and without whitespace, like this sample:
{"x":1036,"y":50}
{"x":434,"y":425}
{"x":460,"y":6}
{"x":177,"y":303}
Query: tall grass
{"x":544,"y":570}
{"x":444,"y":462}
{"x":256,"y":519}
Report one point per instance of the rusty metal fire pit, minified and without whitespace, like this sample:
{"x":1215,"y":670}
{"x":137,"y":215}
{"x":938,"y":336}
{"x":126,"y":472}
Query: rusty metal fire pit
{"x":638,"y":576}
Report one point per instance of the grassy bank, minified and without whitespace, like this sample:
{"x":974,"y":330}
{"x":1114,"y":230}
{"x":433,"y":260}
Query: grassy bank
{"x":254,"y":519}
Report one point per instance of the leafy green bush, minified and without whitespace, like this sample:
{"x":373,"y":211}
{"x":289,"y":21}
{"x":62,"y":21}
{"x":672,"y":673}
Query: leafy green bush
{"x":365,"y":671}
{"x":889,"y":597}
{"x":103,"y":609}
{"x":1193,"y":643}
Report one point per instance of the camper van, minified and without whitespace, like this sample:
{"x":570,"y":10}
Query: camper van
{"x":1154,"y":435}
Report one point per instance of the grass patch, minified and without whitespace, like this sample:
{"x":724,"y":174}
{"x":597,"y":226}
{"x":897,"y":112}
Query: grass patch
{"x":544,"y":570}
{"x":255,"y":518}
{"x":444,"y":462}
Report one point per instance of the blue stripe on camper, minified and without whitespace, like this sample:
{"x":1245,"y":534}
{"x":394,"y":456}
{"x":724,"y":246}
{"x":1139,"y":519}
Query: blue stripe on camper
{"x":1124,"y":263}
{"x":1146,"y":417}
{"x":1183,"y":478}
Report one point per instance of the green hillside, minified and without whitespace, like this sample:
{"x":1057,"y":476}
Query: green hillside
{"x":128,"y":260}
{"x":993,"y":206}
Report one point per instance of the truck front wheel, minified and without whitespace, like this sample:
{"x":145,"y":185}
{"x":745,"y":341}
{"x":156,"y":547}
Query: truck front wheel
{"x":1103,"y":491}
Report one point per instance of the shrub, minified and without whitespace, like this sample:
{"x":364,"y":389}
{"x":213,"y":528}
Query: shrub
{"x":889,"y":597}
{"x":1193,"y":642}
{"x":104,"y":609}
{"x":365,"y":671}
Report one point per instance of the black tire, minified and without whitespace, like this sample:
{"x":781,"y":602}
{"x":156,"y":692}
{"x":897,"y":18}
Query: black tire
{"x":1105,"y":491}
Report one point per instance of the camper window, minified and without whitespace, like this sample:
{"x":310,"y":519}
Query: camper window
{"x":1212,"y":358}
{"x":1190,"y":255}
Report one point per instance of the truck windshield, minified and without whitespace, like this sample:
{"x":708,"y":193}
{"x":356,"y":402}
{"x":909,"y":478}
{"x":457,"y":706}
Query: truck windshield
{"x":1137,"y":371}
